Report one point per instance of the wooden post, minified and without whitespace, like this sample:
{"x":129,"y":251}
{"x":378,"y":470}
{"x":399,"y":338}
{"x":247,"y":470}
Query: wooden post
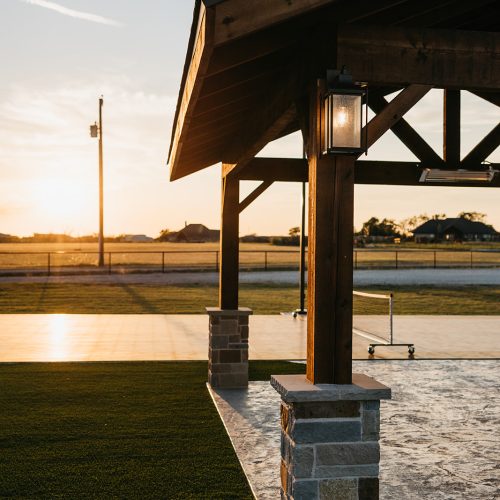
{"x":451,"y":128}
{"x":229,"y":243}
{"x":330,"y":258}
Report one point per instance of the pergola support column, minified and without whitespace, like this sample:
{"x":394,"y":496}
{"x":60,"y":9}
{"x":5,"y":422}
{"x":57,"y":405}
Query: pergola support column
{"x":330,"y":418}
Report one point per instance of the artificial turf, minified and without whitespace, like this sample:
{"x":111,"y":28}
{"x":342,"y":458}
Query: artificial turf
{"x":117,"y":430}
{"x":71,"y":298}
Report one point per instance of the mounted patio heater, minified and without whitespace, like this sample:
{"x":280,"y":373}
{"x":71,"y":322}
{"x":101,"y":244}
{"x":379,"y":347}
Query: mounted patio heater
{"x":343,"y":119}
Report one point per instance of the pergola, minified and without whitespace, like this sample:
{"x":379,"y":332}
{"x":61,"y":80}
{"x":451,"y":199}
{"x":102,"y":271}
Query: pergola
{"x":253,"y":74}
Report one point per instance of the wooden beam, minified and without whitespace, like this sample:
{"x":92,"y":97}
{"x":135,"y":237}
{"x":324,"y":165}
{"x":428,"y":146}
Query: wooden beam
{"x":451,"y":128}
{"x":329,"y":291}
{"x":240,"y":18}
{"x":384,"y":55}
{"x":254,"y":195}
{"x":407,"y":134}
{"x":229,"y":244}
{"x":394,"y":110}
{"x":275,"y":169}
{"x":481,"y":152}
{"x":203,"y":47}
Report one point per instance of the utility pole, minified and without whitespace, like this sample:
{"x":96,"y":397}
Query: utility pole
{"x":96,"y":131}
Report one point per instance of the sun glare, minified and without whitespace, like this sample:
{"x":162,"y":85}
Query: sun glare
{"x":58,"y":327}
{"x":62,"y":205}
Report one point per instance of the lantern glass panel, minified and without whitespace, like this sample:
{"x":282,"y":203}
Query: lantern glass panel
{"x":342,"y":122}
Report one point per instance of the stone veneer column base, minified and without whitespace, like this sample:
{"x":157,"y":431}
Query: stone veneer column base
{"x":228,"y":347}
{"x":330,"y":438}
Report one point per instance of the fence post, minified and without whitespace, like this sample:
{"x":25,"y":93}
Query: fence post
{"x":109,"y":262}
{"x":48,"y":263}
{"x":265,"y":261}
{"x":396,"y":259}
{"x":471,"y":263}
{"x":163,"y":262}
{"x":217,"y":261}
{"x":435,"y":262}
{"x":355,"y":259}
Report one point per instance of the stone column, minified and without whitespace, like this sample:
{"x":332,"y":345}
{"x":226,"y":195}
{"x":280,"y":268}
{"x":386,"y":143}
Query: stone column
{"x":330,"y":438}
{"x":228,"y":347}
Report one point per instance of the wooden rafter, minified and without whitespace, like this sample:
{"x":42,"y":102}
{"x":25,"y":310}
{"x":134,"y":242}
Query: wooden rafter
{"x":275,"y":169}
{"x":407,"y":134}
{"x":271,"y":132}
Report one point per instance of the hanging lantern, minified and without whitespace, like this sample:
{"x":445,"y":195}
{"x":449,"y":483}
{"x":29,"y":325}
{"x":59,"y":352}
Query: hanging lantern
{"x":342,"y":118}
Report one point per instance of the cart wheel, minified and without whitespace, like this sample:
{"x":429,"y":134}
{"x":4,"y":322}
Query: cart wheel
{"x":371,"y":350}
{"x":411,"y":350}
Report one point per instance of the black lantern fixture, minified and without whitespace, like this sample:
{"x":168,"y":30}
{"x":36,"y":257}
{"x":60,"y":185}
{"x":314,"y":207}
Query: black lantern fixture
{"x":343,"y":119}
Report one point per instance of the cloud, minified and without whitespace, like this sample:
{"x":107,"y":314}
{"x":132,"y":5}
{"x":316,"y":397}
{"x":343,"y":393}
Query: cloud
{"x":73,"y":13}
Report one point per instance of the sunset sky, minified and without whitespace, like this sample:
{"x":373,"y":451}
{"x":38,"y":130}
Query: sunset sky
{"x":59,"y":57}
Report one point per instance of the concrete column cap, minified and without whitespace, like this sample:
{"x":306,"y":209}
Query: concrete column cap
{"x":297,"y":389}
{"x":217,"y":311}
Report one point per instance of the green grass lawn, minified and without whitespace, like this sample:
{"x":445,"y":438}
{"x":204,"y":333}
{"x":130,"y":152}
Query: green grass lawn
{"x":192,"y":299}
{"x":117,"y":430}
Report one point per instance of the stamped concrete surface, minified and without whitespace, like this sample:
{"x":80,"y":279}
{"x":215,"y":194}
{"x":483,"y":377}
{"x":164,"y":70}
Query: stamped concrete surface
{"x":122,"y":337}
{"x":439,"y":433}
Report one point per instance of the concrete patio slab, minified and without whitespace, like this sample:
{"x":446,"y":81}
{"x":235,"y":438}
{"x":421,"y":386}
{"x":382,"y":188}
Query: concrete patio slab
{"x":122,"y":337}
{"x":439,"y":433}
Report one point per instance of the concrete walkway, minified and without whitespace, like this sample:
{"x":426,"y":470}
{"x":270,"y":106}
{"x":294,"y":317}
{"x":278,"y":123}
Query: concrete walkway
{"x":439,"y":435}
{"x":122,"y":337}
{"x":388,"y":277}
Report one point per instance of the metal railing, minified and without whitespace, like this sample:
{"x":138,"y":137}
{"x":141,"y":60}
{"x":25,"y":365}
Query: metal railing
{"x":26,"y":262}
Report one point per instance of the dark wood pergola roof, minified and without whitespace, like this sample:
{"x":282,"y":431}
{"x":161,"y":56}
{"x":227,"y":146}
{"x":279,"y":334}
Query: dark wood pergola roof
{"x":249,"y":64}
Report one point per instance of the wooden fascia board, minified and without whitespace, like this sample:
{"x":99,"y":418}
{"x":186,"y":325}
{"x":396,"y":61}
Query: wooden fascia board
{"x":388,"y":55}
{"x":202,"y":50}
{"x":238,"y":18}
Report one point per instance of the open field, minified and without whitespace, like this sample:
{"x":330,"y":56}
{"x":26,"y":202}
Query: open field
{"x":116,"y":430}
{"x":129,"y":257}
{"x":192,"y":299}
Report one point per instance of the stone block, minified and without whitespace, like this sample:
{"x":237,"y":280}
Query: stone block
{"x":301,"y":461}
{"x":324,"y":431}
{"x":214,"y":330}
{"x":328,"y":409}
{"x":368,"y":488}
{"x":303,"y":489}
{"x":243,"y":319}
{"x":347,"y":453}
{"x":228,"y":326}
{"x":342,"y":471}
{"x":214,"y":355}
{"x":232,"y":380}
{"x":371,"y":405}
{"x":244,"y":355}
{"x":370,"y":425}
{"x":243,"y":332}
{"x":338,"y":489}
{"x":234,"y":339}
{"x":229,"y":367}
{"x":285,"y":417}
{"x":218,"y":341}
{"x":230,"y":356}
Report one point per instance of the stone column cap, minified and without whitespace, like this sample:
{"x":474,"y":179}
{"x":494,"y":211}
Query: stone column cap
{"x":241,"y":311}
{"x":296,"y":388}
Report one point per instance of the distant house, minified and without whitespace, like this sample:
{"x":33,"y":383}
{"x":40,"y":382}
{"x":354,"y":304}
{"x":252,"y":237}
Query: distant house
{"x":136,"y":238}
{"x":196,"y":233}
{"x":454,"y":229}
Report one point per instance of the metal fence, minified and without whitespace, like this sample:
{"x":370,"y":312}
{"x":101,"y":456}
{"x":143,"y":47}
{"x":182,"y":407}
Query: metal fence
{"x":70,"y":262}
